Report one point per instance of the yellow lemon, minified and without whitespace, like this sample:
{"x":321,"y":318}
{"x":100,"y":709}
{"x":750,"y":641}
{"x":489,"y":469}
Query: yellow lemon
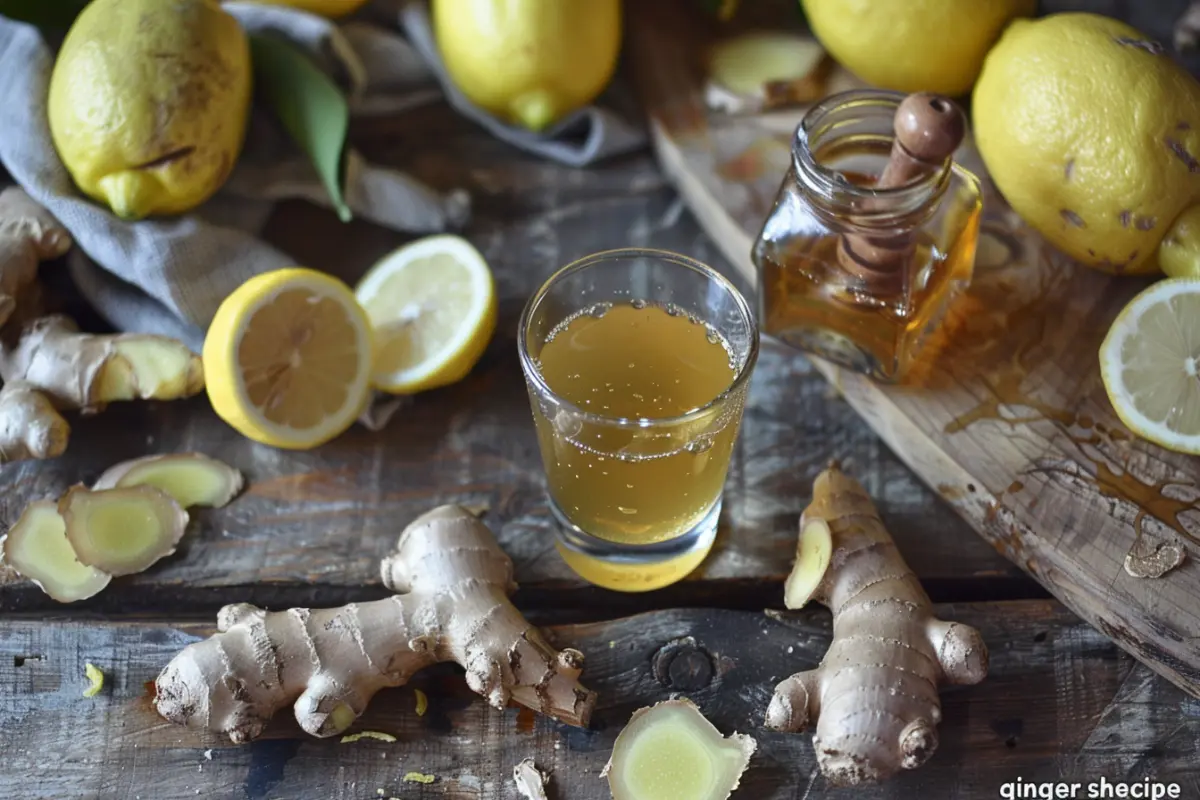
{"x":1150,"y":368}
{"x":325,"y":8}
{"x":287,"y":358}
{"x":1092,"y":133}
{"x":912,"y":45}
{"x":529,"y":62}
{"x":432,"y":307}
{"x":148,"y":103}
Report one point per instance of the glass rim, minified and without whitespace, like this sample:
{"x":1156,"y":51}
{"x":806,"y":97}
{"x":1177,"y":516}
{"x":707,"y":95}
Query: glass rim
{"x":829,"y":181}
{"x":534,"y":376}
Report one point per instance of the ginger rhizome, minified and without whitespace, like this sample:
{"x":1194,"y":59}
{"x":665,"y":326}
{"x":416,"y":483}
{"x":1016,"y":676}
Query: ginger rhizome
{"x":50,"y":357}
{"x":134,"y":516}
{"x":452,"y":604}
{"x":670,"y":750}
{"x":873,"y":701}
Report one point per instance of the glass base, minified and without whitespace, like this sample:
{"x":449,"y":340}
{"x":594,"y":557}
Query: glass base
{"x":635,"y":568}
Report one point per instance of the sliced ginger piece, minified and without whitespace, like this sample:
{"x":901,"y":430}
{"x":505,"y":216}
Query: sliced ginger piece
{"x":148,"y":368}
{"x":765,"y":70}
{"x":531,"y":781}
{"x":670,"y":750}
{"x":37,"y":547}
{"x":814,"y":550}
{"x":122,"y":531}
{"x":192,"y":479}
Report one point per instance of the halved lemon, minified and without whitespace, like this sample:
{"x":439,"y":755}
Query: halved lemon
{"x":1150,"y":364}
{"x":287,"y":359}
{"x":432,"y":307}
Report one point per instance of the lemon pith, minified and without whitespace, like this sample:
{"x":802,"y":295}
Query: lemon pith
{"x":287,"y":358}
{"x":432,"y":308}
{"x":1150,"y":364}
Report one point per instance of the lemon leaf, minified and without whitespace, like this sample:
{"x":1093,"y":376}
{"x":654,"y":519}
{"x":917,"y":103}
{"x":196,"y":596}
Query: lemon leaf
{"x":43,"y":13}
{"x":311,"y":107}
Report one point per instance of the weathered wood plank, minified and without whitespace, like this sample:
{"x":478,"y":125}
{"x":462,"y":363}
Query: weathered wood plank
{"x":1009,"y":420}
{"x":313,"y":525}
{"x":1061,"y":703}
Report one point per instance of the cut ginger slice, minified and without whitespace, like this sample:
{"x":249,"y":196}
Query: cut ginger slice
{"x":670,"y":751}
{"x":814,"y":550}
{"x":122,"y":531}
{"x":191,"y":478}
{"x":287,"y":358}
{"x":37,"y":547}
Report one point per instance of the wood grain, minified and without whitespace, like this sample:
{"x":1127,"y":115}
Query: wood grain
{"x":1009,"y":422}
{"x":312,"y":525}
{"x":1060,"y":703}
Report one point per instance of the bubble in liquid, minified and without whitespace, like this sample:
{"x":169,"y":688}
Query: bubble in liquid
{"x":700,"y":444}
{"x":599,"y":310}
{"x":638,"y":304}
{"x":625,"y":510}
{"x":674,"y":310}
{"x":712,"y":335}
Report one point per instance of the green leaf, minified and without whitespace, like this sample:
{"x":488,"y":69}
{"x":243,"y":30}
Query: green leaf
{"x":51,"y":14}
{"x":309,"y":104}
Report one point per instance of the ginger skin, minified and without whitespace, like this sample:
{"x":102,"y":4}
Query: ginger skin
{"x":49,"y":356}
{"x":30,"y":426}
{"x":452,"y":582}
{"x":874,"y":698}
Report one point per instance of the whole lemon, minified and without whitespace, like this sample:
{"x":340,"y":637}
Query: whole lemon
{"x":912,"y":45}
{"x":325,"y":8}
{"x":149,"y":101}
{"x":529,"y":62}
{"x":1092,"y":134}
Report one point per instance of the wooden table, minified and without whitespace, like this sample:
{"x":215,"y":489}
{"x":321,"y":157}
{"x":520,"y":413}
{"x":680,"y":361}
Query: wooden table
{"x":1061,"y":703}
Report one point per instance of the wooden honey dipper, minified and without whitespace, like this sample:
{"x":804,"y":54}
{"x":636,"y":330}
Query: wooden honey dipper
{"x":928,"y":129}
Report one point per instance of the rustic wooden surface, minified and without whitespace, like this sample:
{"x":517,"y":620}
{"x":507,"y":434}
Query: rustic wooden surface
{"x":1010,"y":421}
{"x":1062,"y":702}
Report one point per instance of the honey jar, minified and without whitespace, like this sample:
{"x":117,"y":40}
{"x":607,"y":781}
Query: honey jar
{"x":873,"y":232}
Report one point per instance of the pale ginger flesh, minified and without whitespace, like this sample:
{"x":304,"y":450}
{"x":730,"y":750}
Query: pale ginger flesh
{"x":37,"y":548}
{"x":670,"y":751}
{"x":30,"y":426}
{"x":88,"y":370}
{"x":122,"y":531}
{"x":130,"y":519}
{"x":452,"y":582}
{"x":873,"y":701}
{"x":192,"y":479}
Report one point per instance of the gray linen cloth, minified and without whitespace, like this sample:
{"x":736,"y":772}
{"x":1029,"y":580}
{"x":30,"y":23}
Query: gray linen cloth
{"x":169,"y":275}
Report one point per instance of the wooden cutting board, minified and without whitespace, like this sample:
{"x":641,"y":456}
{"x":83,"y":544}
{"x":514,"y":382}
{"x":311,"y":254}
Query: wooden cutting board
{"x":1011,"y":424}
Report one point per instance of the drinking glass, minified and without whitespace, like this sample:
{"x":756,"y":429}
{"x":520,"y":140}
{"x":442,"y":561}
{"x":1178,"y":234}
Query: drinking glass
{"x":637,"y":363}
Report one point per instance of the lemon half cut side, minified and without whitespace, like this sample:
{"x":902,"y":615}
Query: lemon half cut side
{"x":1150,"y":364}
{"x":432,"y":306}
{"x":287,"y":358}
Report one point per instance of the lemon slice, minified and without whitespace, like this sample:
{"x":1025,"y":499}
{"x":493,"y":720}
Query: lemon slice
{"x":287,"y":359}
{"x":1150,"y":363}
{"x":432,"y":307}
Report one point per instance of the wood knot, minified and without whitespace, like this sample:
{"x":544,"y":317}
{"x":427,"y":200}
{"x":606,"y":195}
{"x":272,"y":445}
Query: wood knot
{"x":683,"y":665}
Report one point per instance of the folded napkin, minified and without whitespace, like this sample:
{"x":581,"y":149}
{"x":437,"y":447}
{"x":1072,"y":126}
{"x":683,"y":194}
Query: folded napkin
{"x":169,"y":275}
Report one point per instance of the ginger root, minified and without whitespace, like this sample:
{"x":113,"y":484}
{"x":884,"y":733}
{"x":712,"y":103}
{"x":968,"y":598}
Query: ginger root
{"x":73,"y":547}
{"x":670,"y":750}
{"x":29,"y":234}
{"x":49,"y":356}
{"x":452,"y":582}
{"x":89,"y":370}
{"x":761,"y":71}
{"x":30,"y":426}
{"x":874,"y":698}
